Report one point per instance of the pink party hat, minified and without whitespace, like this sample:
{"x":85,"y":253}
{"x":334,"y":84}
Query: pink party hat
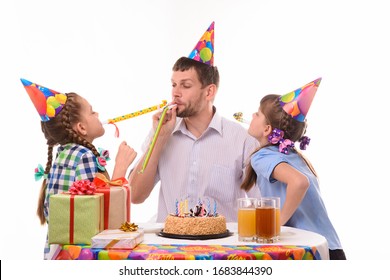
{"x":204,"y":49}
{"x":297,"y":103}
{"x":47,"y":101}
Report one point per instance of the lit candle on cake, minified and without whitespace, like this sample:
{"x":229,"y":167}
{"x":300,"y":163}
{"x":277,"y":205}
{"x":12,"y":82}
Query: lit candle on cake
{"x":185,"y":206}
{"x":215,"y":208}
{"x":181,"y":208}
{"x":177,"y":208}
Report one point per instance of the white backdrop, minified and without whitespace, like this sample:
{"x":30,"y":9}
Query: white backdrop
{"x":118,"y":54}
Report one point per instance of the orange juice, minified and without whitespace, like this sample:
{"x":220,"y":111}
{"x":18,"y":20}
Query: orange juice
{"x":265,"y":224}
{"x":246,"y":223}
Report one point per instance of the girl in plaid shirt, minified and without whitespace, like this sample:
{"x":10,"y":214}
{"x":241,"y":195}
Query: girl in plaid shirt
{"x":69,"y":121}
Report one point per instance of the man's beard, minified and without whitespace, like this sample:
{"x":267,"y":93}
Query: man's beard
{"x":187,"y":112}
{"x":191,"y":110}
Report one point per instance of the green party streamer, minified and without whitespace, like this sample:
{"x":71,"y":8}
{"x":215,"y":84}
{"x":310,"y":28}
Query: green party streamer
{"x":153,"y":143}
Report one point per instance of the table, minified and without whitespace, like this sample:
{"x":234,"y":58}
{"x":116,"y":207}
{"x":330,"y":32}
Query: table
{"x":294,"y":244}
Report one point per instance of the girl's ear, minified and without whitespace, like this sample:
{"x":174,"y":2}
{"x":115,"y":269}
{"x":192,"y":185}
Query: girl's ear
{"x":267,"y":130}
{"x":80,"y":129}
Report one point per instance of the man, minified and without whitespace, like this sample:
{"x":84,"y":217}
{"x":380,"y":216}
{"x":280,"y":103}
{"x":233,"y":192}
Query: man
{"x":198,"y":154}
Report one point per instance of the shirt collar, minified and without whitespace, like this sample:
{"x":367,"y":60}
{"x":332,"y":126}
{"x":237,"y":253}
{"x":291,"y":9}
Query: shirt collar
{"x":215,"y":124}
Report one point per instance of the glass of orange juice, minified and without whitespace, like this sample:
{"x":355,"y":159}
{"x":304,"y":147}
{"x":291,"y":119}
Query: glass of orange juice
{"x":247,"y":219}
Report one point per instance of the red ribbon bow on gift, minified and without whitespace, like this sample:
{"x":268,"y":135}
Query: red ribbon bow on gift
{"x":82,"y":187}
{"x":100,"y":181}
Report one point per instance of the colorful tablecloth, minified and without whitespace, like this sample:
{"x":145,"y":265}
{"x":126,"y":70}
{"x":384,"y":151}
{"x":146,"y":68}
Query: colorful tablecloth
{"x":191,"y":252}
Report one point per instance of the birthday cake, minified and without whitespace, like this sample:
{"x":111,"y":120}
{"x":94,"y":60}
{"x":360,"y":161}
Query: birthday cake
{"x":198,"y":221}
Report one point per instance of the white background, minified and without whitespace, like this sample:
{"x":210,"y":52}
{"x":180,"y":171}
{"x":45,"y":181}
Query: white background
{"x":118,"y":54}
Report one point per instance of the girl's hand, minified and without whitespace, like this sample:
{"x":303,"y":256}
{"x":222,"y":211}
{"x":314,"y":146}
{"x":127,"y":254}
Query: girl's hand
{"x":125,"y":155}
{"x":123,"y":159}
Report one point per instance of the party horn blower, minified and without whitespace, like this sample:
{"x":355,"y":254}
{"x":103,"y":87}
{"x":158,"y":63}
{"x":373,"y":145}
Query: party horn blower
{"x":136,"y":114}
{"x":238,"y":117}
{"x":156,"y":133}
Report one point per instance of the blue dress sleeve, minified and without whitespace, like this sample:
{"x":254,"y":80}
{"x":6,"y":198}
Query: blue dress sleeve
{"x":264,"y":162}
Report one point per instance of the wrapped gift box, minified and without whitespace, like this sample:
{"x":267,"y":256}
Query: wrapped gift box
{"x":117,"y":239}
{"x":116,"y":200}
{"x":75,"y":219}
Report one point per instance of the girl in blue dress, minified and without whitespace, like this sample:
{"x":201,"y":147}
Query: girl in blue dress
{"x":279,"y":169}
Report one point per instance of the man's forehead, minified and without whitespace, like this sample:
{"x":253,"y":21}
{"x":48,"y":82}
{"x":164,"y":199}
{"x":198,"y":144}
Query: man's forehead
{"x":187,"y":75}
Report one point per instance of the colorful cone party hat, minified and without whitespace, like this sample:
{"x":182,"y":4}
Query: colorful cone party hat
{"x":47,"y":101}
{"x":204,"y":49}
{"x":297,"y":103}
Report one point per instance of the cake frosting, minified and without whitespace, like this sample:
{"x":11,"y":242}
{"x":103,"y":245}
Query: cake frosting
{"x":198,"y":221}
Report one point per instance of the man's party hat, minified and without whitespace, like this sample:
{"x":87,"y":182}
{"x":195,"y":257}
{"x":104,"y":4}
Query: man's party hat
{"x":47,"y":101}
{"x":297,"y":103}
{"x":204,"y":49}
